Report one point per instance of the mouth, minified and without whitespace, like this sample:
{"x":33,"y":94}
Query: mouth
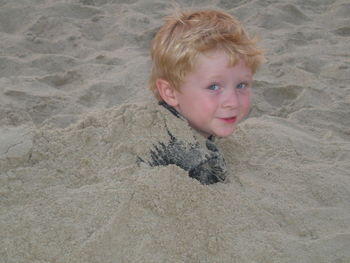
{"x":229,"y":119}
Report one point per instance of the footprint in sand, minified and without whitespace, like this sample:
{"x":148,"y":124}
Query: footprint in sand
{"x":275,"y":100}
{"x":343,"y":31}
{"x":103,"y":94}
{"x":39,"y":108}
{"x":228,"y":4}
{"x":61,"y":79}
{"x":280,"y":17}
{"x":72,"y":11}
{"x":14,"y":19}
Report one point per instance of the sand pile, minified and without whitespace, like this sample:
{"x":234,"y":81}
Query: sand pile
{"x":73,"y":102}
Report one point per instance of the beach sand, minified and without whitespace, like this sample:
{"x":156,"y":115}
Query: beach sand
{"x":73,"y":96}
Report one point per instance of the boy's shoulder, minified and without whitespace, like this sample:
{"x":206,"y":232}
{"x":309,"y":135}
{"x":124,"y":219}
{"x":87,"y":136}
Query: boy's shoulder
{"x":168,"y":139}
{"x":154,"y":124}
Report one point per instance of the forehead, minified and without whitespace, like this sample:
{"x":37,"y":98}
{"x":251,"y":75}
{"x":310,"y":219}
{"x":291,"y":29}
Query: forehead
{"x":218,"y":62}
{"x":213,"y":57}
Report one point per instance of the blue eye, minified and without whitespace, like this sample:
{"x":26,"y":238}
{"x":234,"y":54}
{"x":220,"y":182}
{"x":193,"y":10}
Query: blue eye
{"x":241,"y":85}
{"x":214,"y":87}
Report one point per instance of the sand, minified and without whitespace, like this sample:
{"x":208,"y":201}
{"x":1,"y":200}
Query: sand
{"x":73,"y":105}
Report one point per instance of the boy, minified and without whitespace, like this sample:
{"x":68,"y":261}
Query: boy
{"x":203,"y":63}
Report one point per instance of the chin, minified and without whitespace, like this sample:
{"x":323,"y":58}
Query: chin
{"x":224,"y":133}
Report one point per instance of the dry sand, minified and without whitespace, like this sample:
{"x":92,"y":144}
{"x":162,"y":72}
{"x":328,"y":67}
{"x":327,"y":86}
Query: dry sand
{"x":73,"y":74}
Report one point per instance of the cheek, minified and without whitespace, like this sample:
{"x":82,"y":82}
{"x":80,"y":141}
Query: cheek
{"x":245,"y":104}
{"x":246,"y":99}
{"x":205,"y":104}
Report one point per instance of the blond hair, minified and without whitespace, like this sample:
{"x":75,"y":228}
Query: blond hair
{"x":185,"y":35}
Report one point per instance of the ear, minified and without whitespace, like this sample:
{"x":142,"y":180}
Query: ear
{"x":167,"y":92}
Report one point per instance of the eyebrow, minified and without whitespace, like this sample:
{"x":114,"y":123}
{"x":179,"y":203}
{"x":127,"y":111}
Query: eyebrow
{"x":245,"y":77}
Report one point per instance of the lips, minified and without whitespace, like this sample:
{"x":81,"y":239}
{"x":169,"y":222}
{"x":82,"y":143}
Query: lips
{"x":229,"y":119}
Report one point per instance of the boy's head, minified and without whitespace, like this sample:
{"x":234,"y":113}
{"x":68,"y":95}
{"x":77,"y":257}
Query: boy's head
{"x":185,"y":35}
{"x":202,"y":66}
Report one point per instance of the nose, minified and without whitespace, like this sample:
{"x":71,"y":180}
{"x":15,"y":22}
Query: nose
{"x":230,"y":99}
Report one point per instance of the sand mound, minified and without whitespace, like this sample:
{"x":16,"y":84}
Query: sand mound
{"x":72,"y":75}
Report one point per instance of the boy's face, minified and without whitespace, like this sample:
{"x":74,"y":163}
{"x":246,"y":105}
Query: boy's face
{"x":215,"y":97}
